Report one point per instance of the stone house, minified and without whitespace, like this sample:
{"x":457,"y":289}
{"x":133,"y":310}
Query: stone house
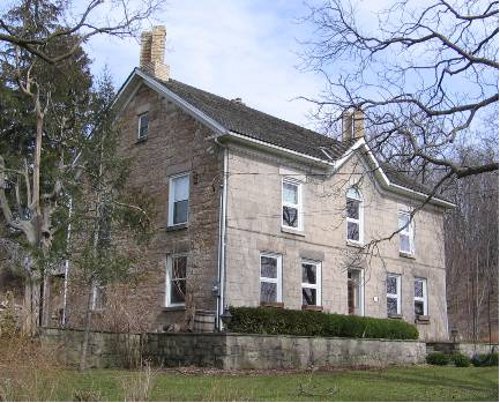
{"x":253,"y":210}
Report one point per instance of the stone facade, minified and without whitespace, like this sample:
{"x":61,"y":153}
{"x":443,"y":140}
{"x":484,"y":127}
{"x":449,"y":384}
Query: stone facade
{"x":175,"y":143}
{"x":254,"y":226}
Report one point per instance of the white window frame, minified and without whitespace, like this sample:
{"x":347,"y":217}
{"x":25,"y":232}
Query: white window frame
{"x":297,"y":206}
{"x":360,"y":220}
{"x":408,"y":231}
{"x":396,"y":296}
{"x":171,"y":200}
{"x":424,"y":297}
{"x":279,"y":275}
{"x":139,"y":121}
{"x":361,"y":289}
{"x":316,"y":286}
{"x":97,"y":288}
{"x":169,"y":279}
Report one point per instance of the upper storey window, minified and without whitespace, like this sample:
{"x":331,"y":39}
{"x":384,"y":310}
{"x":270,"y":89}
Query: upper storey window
{"x":178,"y":201}
{"x":405,"y":233}
{"x":291,"y":204}
{"x":354,"y":215}
{"x":143,"y":126}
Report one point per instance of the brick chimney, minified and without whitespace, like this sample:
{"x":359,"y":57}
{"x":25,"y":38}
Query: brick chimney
{"x":153,"y":53}
{"x":353,"y":124}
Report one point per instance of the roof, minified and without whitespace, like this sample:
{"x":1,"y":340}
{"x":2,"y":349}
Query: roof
{"x":236,"y":117}
{"x":239,"y":118}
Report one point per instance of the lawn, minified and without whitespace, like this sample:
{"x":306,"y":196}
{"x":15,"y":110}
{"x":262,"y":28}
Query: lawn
{"x":419,"y":383}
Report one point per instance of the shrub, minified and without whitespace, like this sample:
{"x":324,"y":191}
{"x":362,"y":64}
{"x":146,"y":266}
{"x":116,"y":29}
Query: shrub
{"x":485,"y":360}
{"x":460,"y":360}
{"x":309,"y":323}
{"x":437,"y":359}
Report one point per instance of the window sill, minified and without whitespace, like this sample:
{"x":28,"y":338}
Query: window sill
{"x":395,"y":316}
{"x":407,"y":255}
{"x":422,"y":319}
{"x":177,"y":227}
{"x":355,"y":244}
{"x":174,"y":308}
{"x":141,"y":140}
{"x":315,"y":308}
{"x":272,"y":305}
{"x":293,"y":231}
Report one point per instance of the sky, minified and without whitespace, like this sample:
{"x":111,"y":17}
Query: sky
{"x":233,"y":48}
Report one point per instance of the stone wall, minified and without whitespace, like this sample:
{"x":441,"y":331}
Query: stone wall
{"x":233,"y":351}
{"x":468,"y":349}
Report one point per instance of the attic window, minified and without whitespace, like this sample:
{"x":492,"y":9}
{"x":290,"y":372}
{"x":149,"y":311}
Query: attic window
{"x":143,"y":126}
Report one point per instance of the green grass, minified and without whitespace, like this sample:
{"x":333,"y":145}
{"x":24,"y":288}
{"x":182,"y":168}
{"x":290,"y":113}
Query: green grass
{"x":419,"y":383}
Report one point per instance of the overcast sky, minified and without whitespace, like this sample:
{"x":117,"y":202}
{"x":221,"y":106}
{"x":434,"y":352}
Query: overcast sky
{"x":233,"y":48}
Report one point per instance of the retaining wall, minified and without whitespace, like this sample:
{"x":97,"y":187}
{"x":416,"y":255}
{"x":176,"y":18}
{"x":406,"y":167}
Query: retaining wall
{"x":232,"y":351}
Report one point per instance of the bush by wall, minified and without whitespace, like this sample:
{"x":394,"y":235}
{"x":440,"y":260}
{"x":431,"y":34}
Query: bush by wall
{"x":275,"y":321}
{"x":437,"y":359}
{"x":460,"y":360}
{"x":485,"y":360}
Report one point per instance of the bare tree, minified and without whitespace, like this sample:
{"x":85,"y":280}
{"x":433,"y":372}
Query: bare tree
{"x":425,"y":73}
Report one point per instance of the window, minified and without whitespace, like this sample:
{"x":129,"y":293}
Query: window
{"x":291,"y":204}
{"x":355,"y":292}
{"x":311,"y":283}
{"x":270,"y":278}
{"x":143,"y":126}
{"x":354,"y":215}
{"x":176,"y":280}
{"x":406,"y":233}
{"x":178,"y":202}
{"x":393,"y":295}
{"x":98,"y":297}
{"x":420,"y":296}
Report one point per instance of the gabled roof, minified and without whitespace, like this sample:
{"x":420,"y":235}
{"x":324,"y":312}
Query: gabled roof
{"x":234,"y":117}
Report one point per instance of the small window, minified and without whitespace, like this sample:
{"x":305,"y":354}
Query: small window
{"x":354,"y":215}
{"x":143,"y":126}
{"x":270,"y":278}
{"x":393,"y":295}
{"x":98,"y":301}
{"x":311,"y":283}
{"x":420,"y":297}
{"x":176,"y":280}
{"x":405,"y":233}
{"x":291,"y":204}
{"x":178,"y":202}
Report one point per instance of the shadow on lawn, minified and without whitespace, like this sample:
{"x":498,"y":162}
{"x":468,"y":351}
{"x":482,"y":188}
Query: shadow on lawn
{"x":474,"y":382}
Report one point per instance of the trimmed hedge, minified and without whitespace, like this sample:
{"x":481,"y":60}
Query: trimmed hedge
{"x":485,"y":360}
{"x":460,"y":360}
{"x":437,"y":359}
{"x":275,"y":321}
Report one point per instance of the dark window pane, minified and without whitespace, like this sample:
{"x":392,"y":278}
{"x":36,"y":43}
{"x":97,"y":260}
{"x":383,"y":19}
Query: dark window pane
{"x":419,"y":307}
{"x":180,"y":212}
{"x":268,"y":267}
{"x":290,"y":216}
{"x":268,"y":292}
{"x":392,"y":285}
{"x":308,"y":273}
{"x":353,"y":209}
{"x":144,"y":125}
{"x":419,"y":289}
{"x":392,"y":306}
{"x":353,"y":231}
{"x":179,"y":267}
{"x":178,"y":291}
{"x":308,"y":296}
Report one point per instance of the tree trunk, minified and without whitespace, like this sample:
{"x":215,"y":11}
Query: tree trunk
{"x":86,"y":333}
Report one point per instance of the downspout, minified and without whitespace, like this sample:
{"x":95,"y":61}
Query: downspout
{"x":221,"y":269}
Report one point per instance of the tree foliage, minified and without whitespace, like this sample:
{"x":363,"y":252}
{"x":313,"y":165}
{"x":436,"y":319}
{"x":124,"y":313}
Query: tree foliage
{"x":425,"y":74}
